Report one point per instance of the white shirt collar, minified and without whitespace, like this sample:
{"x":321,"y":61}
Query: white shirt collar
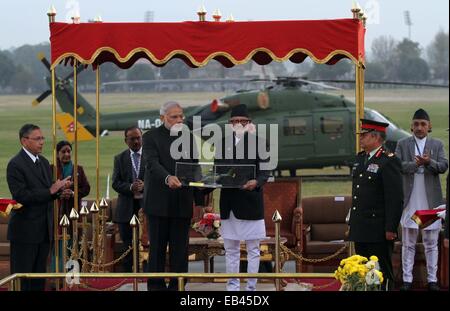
{"x":421,"y":142}
{"x":32,"y":156}
{"x":373,"y":152}
{"x":138,"y":152}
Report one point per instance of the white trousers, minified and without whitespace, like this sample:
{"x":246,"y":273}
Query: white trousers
{"x":232,"y":260}
{"x":430,"y":243}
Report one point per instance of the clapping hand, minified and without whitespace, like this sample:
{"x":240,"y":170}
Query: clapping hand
{"x":66,"y":194}
{"x":422,"y":160}
{"x":59,"y":184}
{"x":137,"y":186}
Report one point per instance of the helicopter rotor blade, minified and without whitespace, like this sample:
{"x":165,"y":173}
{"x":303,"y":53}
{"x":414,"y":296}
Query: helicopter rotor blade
{"x":322,"y":85}
{"x":41,"y":57}
{"x":385,"y":83}
{"x":41,"y":97}
{"x":80,"y":68}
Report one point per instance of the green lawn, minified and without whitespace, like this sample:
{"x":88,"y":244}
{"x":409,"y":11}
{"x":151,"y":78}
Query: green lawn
{"x":398,"y":105}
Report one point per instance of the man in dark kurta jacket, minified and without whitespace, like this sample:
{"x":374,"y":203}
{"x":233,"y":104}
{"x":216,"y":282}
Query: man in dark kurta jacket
{"x":167,"y":204}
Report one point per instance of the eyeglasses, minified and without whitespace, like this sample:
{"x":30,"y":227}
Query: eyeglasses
{"x":35,"y":138}
{"x":134,"y":138}
{"x":241,"y":121}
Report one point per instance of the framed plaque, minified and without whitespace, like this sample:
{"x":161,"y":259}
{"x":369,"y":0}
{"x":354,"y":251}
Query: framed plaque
{"x":208,"y":175}
{"x":234,"y":175}
{"x":196,"y":174}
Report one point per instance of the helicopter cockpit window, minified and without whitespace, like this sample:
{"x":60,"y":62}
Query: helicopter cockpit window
{"x":294,"y":126}
{"x":334,"y":125}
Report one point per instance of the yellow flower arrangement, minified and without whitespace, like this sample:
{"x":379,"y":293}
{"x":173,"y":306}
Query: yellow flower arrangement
{"x":357,"y":273}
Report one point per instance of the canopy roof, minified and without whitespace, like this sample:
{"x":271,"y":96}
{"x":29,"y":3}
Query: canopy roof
{"x":230,"y":43}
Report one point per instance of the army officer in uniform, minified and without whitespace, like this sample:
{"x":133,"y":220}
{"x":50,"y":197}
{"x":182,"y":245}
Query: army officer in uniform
{"x":377,"y":198}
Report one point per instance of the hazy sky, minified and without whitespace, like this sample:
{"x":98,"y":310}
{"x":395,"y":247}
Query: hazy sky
{"x":26,"y":22}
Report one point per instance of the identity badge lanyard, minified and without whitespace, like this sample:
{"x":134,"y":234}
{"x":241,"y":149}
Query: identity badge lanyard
{"x":418,"y":149}
{"x":420,"y":169}
{"x":136,"y":166}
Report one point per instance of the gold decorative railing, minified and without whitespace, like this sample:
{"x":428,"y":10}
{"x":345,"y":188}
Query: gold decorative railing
{"x":13,"y":281}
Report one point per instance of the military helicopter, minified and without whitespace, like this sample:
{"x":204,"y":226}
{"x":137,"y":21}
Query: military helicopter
{"x":315,"y":130}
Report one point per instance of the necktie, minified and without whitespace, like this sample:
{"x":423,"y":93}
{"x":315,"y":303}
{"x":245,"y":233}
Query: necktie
{"x":366,"y":158}
{"x":39,"y":168}
{"x":136,"y":164}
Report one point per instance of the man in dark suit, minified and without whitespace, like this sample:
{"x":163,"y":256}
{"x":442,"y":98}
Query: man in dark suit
{"x":242,"y":208}
{"x":30,"y":228}
{"x":128,"y":181}
{"x":167,"y":204}
{"x":377,"y":198}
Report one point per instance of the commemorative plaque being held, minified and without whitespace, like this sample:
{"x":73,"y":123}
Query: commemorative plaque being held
{"x":208,"y":175}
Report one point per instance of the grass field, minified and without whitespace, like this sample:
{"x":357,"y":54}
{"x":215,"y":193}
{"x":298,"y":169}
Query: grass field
{"x":397,"y":104}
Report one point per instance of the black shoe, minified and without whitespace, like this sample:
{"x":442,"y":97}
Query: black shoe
{"x":407,"y":286}
{"x":433,"y":287}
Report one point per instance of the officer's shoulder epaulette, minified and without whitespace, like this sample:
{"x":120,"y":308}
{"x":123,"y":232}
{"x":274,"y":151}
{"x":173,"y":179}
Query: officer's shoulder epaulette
{"x":379,"y":153}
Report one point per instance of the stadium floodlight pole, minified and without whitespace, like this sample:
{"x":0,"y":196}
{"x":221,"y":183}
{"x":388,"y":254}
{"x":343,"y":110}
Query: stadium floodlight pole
{"x":408,"y":22}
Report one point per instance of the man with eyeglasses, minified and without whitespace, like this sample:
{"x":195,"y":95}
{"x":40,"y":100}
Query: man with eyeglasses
{"x":128,"y":182}
{"x":242,"y":209}
{"x":167,"y":204}
{"x":30,"y":229}
{"x":423,"y":159}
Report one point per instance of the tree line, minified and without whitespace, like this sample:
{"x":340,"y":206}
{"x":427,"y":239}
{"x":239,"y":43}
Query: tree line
{"x":388,"y":60}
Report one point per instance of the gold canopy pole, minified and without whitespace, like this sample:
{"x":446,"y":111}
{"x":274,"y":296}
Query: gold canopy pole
{"x":359,"y":95}
{"x":359,"y":77}
{"x":51,"y":19}
{"x":75,"y":133}
{"x":97,"y":134}
{"x":56,"y":203}
{"x":101,"y":228}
